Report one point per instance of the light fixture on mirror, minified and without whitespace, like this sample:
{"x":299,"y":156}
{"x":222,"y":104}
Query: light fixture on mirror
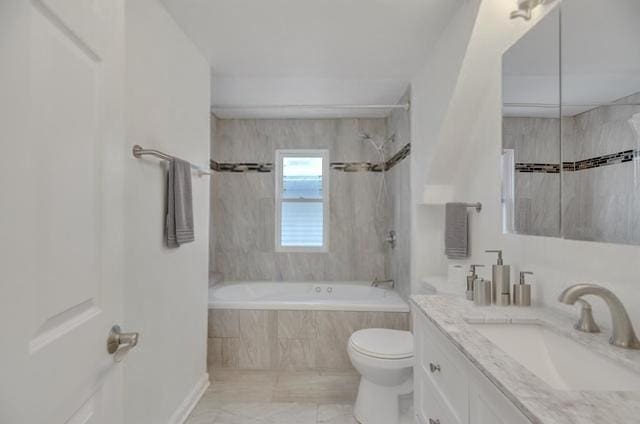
{"x":525,"y":8}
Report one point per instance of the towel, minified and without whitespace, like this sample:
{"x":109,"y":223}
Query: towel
{"x":179,"y":224}
{"x":456,"y":239}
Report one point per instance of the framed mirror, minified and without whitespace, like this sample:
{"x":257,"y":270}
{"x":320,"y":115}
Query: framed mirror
{"x":571,"y":124}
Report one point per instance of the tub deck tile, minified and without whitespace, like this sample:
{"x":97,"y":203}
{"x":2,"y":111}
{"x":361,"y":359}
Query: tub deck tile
{"x":294,"y":340}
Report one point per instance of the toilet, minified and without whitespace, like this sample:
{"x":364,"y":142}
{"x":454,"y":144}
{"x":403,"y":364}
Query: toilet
{"x":384,"y":359}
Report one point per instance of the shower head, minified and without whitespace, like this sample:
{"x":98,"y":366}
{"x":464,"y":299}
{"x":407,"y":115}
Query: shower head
{"x":365,"y":136}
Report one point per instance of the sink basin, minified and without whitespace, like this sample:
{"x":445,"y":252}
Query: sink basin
{"x":559,"y":361}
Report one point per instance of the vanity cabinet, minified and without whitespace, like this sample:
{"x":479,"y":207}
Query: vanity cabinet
{"x":448,"y":388}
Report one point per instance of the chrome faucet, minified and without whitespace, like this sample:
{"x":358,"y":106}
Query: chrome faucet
{"x":390,"y":282}
{"x":623,"y":334}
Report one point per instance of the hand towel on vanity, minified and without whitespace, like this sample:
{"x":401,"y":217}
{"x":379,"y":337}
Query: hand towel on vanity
{"x":456,"y":233}
{"x":179,"y":224}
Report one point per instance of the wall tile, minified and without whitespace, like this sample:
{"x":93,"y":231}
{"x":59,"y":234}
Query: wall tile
{"x":258,"y":346}
{"x":244,"y":204}
{"x":296,"y":325}
{"x":392,"y":320}
{"x":295,"y":339}
{"x":297,"y":354}
{"x":230,"y":353}
{"x":224,"y":323}
{"x":398,"y":260}
{"x":214,"y":353}
{"x":334,"y":330}
{"x":597,"y":203}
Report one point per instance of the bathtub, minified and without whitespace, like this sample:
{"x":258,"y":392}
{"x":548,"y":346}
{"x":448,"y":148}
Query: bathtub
{"x":299,"y":296}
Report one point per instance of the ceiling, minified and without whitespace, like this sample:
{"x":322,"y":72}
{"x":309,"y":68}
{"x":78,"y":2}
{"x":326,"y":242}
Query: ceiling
{"x":311,"y":52}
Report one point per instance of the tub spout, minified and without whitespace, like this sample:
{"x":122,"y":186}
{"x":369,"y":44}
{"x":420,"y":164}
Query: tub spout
{"x":376,"y":283}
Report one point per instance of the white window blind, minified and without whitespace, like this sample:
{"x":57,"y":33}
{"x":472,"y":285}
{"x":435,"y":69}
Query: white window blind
{"x":302,"y":200}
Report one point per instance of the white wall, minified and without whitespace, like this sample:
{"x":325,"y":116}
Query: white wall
{"x":166,"y":289}
{"x":456,"y":127}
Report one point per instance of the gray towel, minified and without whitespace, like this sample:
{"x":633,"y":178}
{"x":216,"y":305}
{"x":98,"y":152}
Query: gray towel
{"x":456,"y":233}
{"x":179,"y":225}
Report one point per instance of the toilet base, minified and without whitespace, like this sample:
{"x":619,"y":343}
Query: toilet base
{"x":378,"y":404}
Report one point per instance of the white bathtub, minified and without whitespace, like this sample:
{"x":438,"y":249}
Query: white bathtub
{"x":319,"y":296}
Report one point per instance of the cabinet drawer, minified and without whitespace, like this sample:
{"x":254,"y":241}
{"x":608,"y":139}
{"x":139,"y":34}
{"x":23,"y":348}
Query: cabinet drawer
{"x":443,"y":365}
{"x":430,"y":407}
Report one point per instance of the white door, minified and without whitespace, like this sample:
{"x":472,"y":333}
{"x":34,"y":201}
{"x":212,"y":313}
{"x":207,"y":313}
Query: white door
{"x":61,"y":198}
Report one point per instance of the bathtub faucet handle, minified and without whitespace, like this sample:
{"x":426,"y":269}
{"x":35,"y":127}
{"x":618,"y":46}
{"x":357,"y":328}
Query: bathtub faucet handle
{"x":390,"y":282}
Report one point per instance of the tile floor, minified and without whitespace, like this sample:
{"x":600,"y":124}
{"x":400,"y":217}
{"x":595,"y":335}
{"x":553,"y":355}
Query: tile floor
{"x":281,"y":397}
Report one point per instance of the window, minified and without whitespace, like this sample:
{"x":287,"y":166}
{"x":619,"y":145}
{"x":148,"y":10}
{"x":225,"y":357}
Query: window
{"x":302,"y":200}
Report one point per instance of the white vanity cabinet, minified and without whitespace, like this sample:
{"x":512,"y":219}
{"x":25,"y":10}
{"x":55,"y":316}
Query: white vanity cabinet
{"x":448,"y":388}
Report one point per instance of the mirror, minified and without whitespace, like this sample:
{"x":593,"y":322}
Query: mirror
{"x":601,"y":120}
{"x":531,"y":131}
{"x":572,"y":169}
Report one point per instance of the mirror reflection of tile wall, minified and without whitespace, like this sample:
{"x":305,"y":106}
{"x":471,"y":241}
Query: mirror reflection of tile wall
{"x":601,"y":196}
{"x":598,"y":190}
{"x":601,"y":120}
{"x":531,"y":131}
{"x":534,"y":141}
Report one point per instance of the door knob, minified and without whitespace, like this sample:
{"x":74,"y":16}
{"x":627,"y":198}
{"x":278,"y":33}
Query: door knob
{"x":119,"y":343}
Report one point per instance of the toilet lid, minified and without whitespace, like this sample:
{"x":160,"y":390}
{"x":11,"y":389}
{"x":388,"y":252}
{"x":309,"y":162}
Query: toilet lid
{"x":383,"y":343}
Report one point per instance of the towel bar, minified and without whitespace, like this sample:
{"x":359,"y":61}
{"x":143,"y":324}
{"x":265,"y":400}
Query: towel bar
{"x":138,"y":152}
{"x":477,"y":206}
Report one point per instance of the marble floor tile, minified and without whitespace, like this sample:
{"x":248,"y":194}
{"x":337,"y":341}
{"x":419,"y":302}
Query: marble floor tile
{"x":244,"y":385}
{"x":316,"y":387}
{"x":206,"y":410}
{"x":343,"y":413}
{"x":336,"y":414}
{"x":282,"y":397}
{"x":267,"y":413}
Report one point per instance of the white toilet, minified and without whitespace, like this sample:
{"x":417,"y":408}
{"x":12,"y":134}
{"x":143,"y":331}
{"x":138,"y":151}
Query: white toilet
{"x":384,"y":359}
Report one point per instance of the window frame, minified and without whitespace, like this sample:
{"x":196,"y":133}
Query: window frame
{"x":279,"y":200}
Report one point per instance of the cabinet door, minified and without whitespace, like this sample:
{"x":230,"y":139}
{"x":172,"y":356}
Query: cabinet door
{"x":488,"y":406}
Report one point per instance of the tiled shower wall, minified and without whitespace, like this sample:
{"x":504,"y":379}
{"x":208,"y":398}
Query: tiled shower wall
{"x":243,"y":204}
{"x":537,"y":194}
{"x":602,"y":202}
{"x":600,"y":195}
{"x":398,"y":181}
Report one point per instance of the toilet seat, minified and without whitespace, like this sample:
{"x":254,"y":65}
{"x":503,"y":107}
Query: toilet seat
{"x":382,"y":343}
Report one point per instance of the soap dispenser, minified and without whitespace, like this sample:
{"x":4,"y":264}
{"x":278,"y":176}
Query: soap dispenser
{"x":522,"y":291}
{"x":471,"y":278}
{"x":501,"y":291}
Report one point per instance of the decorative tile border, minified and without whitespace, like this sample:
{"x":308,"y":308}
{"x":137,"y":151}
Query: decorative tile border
{"x":596,"y":162}
{"x":398,"y":157}
{"x":241,"y":167}
{"x":338,"y":166}
{"x":605,"y":160}
{"x":544,"y":168}
{"x":357,"y":166}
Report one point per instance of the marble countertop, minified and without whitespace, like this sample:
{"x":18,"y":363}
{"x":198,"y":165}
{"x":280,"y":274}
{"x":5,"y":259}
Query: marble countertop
{"x":537,"y":400}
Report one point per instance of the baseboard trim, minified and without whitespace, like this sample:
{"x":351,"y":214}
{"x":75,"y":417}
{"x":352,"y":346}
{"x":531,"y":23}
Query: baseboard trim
{"x":182,"y":413}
